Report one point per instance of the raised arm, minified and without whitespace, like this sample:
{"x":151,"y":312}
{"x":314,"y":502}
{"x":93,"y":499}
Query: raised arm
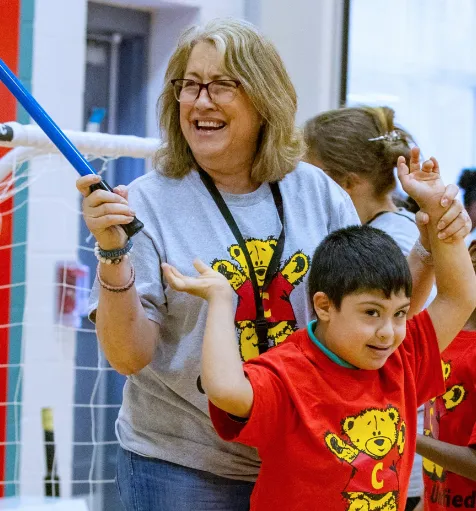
{"x":423,"y":277}
{"x":454,"y":225}
{"x":127,"y":337}
{"x":222,"y":373}
{"x":458,"y":459}
{"x":454,"y":274}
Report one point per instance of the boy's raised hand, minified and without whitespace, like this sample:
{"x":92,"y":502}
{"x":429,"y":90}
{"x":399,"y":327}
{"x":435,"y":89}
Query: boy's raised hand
{"x":207,"y":285}
{"x":421,"y":181}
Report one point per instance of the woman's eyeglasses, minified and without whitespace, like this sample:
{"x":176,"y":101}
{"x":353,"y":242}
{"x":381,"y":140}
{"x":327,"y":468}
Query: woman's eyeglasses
{"x":219,"y":91}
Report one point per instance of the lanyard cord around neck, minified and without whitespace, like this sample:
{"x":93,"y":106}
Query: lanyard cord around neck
{"x":261,"y":323}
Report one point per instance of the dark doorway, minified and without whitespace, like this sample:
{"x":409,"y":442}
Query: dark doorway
{"x":114,"y":102}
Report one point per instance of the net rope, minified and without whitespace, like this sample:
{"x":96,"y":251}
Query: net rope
{"x":34,"y":159}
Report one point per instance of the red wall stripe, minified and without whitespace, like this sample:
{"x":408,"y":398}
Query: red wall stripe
{"x":9,"y":53}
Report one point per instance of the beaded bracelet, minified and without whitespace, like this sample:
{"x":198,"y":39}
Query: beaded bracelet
{"x":423,"y":253}
{"x":112,"y":256}
{"x":117,"y":289}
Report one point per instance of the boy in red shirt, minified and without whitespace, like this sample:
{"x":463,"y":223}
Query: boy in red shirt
{"x":449,"y":444}
{"x":333,"y":409}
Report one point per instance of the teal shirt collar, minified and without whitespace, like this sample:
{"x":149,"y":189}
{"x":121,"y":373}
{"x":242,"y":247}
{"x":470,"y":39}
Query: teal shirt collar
{"x":335,"y":358}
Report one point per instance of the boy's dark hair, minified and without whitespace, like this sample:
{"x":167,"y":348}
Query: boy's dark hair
{"x":358,"y":258}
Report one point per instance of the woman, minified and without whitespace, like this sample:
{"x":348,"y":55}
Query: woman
{"x":227,"y":115}
{"x":359,"y":147}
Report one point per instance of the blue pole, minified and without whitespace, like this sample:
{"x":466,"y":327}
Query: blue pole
{"x":45,"y":122}
{"x":54,"y":133}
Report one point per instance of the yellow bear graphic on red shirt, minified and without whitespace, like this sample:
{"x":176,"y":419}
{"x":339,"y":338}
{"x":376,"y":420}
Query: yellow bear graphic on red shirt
{"x":376,"y":440}
{"x":437,"y":408}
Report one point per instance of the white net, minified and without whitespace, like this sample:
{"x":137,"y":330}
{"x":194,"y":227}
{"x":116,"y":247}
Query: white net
{"x":49,"y":356}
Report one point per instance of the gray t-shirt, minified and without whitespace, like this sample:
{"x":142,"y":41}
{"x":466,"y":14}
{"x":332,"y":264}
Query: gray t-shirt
{"x":164,"y":414}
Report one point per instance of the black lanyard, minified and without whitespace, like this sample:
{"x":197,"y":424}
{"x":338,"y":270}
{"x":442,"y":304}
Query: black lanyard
{"x":261,"y":323}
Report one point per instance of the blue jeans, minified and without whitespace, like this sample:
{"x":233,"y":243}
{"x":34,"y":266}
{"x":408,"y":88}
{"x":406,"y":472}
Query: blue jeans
{"x":149,"y":484}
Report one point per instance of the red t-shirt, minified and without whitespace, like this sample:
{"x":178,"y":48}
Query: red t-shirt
{"x":451,"y":417}
{"x":332,"y":437}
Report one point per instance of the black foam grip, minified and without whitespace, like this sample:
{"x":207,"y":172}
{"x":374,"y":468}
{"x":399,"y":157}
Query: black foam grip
{"x":133,"y":228}
{"x":130,"y":229}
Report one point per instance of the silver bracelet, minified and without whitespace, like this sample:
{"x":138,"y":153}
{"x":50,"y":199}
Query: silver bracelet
{"x":423,"y":254}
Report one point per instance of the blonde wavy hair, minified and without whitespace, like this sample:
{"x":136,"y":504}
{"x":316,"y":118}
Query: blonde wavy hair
{"x":254,"y":61}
